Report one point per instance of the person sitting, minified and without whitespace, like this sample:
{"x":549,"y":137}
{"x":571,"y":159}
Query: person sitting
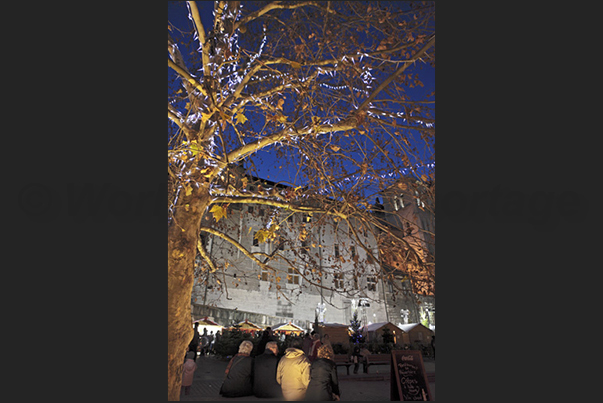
{"x":293,"y":372}
{"x":238,"y":380}
{"x":324,"y":384}
{"x":264,"y":369}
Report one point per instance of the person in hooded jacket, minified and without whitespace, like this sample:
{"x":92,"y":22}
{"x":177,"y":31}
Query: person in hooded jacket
{"x":238,"y":380}
{"x":293,"y":372}
{"x":264,"y":370}
{"x":188,"y":370}
{"x":324,"y":384}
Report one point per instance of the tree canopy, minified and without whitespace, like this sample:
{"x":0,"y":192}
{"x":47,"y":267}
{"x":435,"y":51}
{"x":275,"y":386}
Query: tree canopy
{"x":333,"y":102}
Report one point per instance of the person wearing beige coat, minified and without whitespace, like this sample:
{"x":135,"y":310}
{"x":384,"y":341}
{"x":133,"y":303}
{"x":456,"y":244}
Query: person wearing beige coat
{"x":293,"y":373}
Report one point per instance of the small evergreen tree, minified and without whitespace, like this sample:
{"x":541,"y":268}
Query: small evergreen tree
{"x":356,"y":336}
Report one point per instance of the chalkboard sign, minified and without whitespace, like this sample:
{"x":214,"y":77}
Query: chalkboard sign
{"x":408,"y":380}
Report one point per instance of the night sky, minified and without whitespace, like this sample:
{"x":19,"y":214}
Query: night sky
{"x":266,"y":163}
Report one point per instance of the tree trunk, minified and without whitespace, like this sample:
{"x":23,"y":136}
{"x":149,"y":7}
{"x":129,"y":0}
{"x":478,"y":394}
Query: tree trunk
{"x":182,"y":246}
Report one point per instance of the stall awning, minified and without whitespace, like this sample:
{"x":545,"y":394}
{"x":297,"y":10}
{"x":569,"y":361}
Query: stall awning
{"x":288,"y":328}
{"x":206,"y":322}
{"x":247,"y":326}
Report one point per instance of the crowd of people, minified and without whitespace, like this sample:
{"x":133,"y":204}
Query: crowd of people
{"x":306,"y":370}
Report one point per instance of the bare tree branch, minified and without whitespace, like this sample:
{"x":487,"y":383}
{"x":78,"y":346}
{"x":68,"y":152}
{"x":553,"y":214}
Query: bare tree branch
{"x":271,"y":6}
{"x":184,"y":74}
{"x":201,"y":34}
{"x":391,"y":78}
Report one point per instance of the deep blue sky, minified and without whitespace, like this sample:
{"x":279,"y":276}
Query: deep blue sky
{"x":178,"y":15}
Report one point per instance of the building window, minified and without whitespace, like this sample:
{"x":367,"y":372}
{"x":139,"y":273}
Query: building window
{"x":264,"y":276}
{"x":305,"y":247}
{"x":371,"y":283}
{"x":338,"y":280}
{"x":353,"y":251}
{"x":292,"y":276}
{"x":260,"y":211}
{"x":256,"y":242}
{"x":250,"y":209}
{"x":336,"y":250}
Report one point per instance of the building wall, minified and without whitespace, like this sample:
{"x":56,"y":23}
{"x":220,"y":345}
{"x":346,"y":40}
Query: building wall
{"x":405,"y":210}
{"x":250,"y":289}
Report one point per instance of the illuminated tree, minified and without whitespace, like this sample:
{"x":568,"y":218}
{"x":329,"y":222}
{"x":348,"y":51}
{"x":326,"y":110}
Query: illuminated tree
{"x":355,"y":324}
{"x":331,"y":89}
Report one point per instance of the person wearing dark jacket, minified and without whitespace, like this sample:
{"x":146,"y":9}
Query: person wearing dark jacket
{"x":238,"y":380}
{"x":266,"y":337}
{"x":324,"y":384}
{"x":264,"y":369}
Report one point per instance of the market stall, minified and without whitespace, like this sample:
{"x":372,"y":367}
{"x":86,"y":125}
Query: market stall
{"x":417,"y":333}
{"x":208,"y":324}
{"x":288,"y":329}
{"x":247,"y":327}
{"x":338,"y":333}
{"x":374,"y":332}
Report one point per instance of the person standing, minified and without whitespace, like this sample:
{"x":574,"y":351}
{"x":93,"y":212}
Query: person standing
{"x":188,"y":369}
{"x":315,"y":345}
{"x":211,"y":342}
{"x":264,"y":370}
{"x":194,"y":344}
{"x":266,"y":337}
{"x":204,"y":342}
{"x":356,"y":357}
{"x":238,"y":377}
{"x":325,"y":341}
{"x":293,"y":372}
{"x":324,"y":384}
{"x":307,"y":344}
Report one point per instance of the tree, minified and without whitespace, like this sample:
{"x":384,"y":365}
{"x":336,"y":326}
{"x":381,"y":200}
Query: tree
{"x":356,"y":336}
{"x":332,"y":88}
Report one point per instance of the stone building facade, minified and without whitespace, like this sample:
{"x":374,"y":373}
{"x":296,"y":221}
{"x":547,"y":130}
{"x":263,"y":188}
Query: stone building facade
{"x":409,"y":210}
{"x":314,"y":248}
